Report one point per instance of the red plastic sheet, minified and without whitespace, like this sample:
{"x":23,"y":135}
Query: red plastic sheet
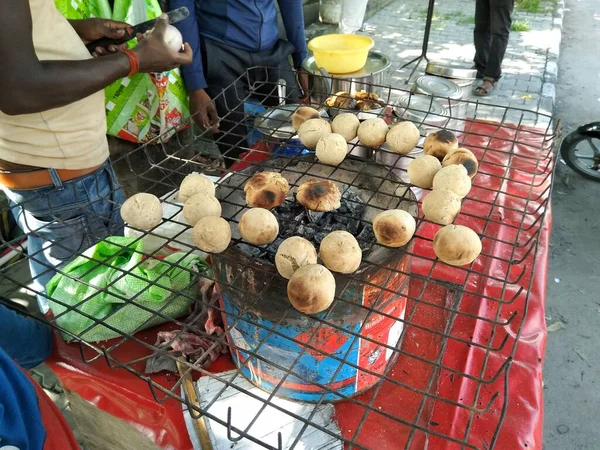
{"x":129,"y":398}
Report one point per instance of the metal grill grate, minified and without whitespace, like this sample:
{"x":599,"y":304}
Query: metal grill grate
{"x":445,"y":371}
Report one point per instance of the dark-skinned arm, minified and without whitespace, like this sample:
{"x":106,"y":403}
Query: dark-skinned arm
{"x":31,"y":85}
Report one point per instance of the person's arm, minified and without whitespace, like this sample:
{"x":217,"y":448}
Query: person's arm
{"x":202,"y":108}
{"x":31,"y":85}
{"x":292,"y":14}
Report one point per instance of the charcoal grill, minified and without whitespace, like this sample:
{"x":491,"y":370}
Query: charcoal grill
{"x":444,"y":383}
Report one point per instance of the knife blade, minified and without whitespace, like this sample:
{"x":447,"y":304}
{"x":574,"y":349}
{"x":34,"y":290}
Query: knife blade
{"x":173,"y":16}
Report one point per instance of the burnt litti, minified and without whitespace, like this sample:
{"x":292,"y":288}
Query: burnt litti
{"x":319,"y":195}
{"x":463,"y":157}
{"x":440,"y":143}
{"x":266,"y":190}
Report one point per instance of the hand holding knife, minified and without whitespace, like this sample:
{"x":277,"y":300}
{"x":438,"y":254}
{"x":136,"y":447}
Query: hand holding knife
{"x":174,"y":16}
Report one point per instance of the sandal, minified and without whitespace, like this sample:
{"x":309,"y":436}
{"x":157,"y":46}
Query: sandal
{"x":482,"y":90}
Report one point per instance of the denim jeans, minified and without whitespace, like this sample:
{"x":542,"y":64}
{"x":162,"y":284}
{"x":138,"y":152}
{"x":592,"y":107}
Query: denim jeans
{"x":63,"y":220}
{"x":25,"y":340}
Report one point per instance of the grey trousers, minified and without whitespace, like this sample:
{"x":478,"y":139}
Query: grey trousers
{"x":234,"y":75}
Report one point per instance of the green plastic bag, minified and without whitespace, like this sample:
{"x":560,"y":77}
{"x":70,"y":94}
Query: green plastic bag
{"x":90,"y":291}
{"x":144,"y":106}
{"x":84,"y":9}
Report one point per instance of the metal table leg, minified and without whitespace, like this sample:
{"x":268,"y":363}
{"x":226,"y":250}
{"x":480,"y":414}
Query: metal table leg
{"x":423,"y":54}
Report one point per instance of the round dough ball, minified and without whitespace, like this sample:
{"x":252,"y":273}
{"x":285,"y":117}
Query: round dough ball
{"x":346,"y":124}
{"x":456,"y":245}
{"x":463,"y":157}
{"x":403,"y":137}
{"x":212,"y":234}
{"x":303,"y":114}
{"x":394,"y":227}
{"x":311,"y":289}
{"x":441,"y":206}
{"x":195,"y":183}
{"x":143,"y":211}
{"x":200,"y":205}
{"x":454,"y":178}
{"x":312,"y":130}
{"x":332,"y":149}
{"x":340,"y":252}
{"x":319,"y":195}
{"x":266,"y":190}
{"x":421,"y":171}
{"x":258,"y":226}
{"x":372,"y":132}
{"x":438,"y":144}
{"x":292,"y":254}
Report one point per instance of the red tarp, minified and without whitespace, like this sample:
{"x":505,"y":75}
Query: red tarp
{"x":505,"y":197}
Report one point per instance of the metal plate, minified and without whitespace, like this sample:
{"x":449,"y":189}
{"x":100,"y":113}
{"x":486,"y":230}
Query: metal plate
{"x":276,"y":122}
{"x":447,"y":71}
{"x":376,"y":63}
{"x":438,"y":86}
{"x":421,"y":110}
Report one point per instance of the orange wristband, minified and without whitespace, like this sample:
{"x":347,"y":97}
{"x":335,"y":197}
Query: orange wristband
{"x":134,"y":62}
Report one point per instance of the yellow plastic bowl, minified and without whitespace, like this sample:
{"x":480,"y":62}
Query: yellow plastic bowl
{"x":341,"y":53}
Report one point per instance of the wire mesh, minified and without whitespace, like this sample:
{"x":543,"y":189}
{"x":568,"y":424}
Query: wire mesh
{"x":434,"y":324}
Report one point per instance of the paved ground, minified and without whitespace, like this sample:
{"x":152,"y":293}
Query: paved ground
{"x":572,"y":372}
{"x":530,"y":62}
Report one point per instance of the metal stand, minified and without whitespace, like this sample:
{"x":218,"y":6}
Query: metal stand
{"x":423,"y":54}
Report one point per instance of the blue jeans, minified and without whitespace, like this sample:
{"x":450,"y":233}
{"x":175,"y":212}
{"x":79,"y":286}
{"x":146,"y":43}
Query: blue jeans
{"x":63,"y":220}
{"x":25,"y":340}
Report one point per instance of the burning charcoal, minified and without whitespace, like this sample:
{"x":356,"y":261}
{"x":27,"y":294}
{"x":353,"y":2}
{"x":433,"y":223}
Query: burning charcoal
{"x":354,"y":226}
{"x":366,"y":235}
{"x":285,"y":208}
{"x":338,"y":227}
{"x":320,"y":236}
{"x":300,"y":217}
{"x":253,"y":252}
{"x":341,"y":218}
{"x":314,"y":216}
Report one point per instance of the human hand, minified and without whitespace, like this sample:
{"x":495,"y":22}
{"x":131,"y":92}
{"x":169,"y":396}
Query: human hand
{"x":203,"y":110}
{"x":155,"y":55}
{"x":303,"y":82}
{"x":90,"y":30}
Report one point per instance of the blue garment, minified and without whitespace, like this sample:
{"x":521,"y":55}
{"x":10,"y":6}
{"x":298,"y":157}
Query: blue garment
{"x":63,"y":220}
{"x":20,"y":418}
{"x":25,"y":340}
{"x":249,"y":25}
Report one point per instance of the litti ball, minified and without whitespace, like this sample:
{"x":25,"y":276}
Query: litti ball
{"x":143,"y":211}
{"x":454,"y":178}
{"x":312,"y":130}
{"x":441,"y":206}
{"x":346,"y":124}
{"x":372,"y":132}
{"x":294,"y":253}
{"x":438,"y":144}
{"x":332,"y":149}
{"x":394,"y":227}
{"x":258,"y":226}
{"x":195,"y":183}
{"x":403,"y":137}
{"x":212,"y":234}
{"x":311,"y":289}
{"x":340,"y":252}
{"x":456,"y":245}
{"x":200,"y":205}
{"x":421,"y":170}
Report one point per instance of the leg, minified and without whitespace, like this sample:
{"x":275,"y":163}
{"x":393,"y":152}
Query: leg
{"x":63,"y":220}
{"x":353,"y":14}
{"x":224,"y":65}
{"x":501,"y":21}
{"x":482,"y":36}
{"x":25,"y":340}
